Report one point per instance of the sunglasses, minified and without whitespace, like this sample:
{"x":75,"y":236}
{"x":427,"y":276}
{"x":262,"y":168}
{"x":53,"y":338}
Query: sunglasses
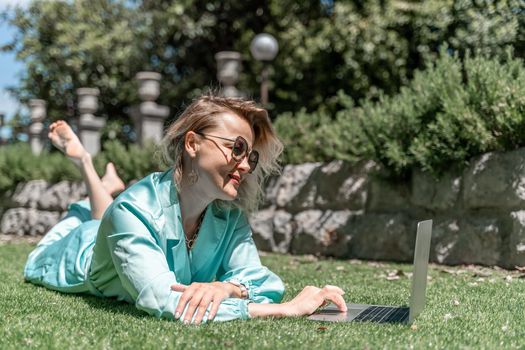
{"x":240,"y":149}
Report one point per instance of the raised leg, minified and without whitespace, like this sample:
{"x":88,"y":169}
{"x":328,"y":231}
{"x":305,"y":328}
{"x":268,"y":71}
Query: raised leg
{"x":111,"y":181}
{"x":65,"y":139}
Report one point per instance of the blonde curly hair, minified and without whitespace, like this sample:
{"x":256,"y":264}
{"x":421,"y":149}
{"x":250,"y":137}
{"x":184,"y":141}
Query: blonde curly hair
{"x":202,"y":114}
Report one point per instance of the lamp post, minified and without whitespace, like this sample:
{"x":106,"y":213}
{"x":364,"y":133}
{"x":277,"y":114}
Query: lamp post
{"x":264,"y":48}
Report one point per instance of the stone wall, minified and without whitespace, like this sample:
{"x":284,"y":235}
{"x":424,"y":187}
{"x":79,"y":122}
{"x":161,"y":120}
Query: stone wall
{"x":349,"y":211}
{"x":34,"y":207}
{"x":352,"y":211}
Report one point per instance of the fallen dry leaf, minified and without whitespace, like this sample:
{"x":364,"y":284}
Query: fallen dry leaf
{"x":339,"y":268}
{"x":393,"y":275}
{"x":322,"y":328}
{"x":447,"y":317}
{"x":482,"y":274}
{"x":392,"y":278}
{"x":413,"y":327}
{"x":453,"y":271}
{"x":455,"y":302}
{"x":508,"y":278}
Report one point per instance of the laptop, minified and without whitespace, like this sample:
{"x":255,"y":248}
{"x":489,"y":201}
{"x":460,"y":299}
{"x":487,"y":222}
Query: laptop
{"x":384,"y":313}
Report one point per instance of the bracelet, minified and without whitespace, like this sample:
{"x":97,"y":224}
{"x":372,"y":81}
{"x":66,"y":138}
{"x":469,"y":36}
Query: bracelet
{"x":242,"y":287}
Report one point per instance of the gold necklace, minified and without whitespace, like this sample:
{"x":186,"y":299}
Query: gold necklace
{"x":190,"y":242}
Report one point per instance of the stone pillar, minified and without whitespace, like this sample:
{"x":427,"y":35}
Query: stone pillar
{"x":38,"y":114}
{"x":149,"y":116}
{"x":228,"y":71}
{"x":88,"y":125}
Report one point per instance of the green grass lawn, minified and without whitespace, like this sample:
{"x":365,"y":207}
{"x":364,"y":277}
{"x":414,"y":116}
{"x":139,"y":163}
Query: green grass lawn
{"x":467,"y":307}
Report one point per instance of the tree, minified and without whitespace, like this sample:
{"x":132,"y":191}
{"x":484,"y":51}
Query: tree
{"x":364,"y":48}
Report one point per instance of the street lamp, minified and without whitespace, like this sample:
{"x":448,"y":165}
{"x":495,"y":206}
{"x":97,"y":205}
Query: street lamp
{"x":264,"y":48}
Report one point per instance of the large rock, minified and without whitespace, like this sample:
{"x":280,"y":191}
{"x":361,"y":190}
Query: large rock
{"x":291,"y":182}
{"x":435,"y":194}
{"x":321,"y":233}
{"x":471,"y":240}
{"x":283,"y":228}
{"x":27,"y":221}
{"x":335,"y":186}
{"x":387,"y":196}
{"x":382,"y":237}
{"x":514,"y":249}
{"x":59,"y":196}
{"x":496,"y":180}
{"x":28,"y":194}
{"x":261,"y":223}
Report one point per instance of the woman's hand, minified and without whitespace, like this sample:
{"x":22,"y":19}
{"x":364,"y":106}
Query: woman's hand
{"x":311,"y":298}
{"x":198,"y":297}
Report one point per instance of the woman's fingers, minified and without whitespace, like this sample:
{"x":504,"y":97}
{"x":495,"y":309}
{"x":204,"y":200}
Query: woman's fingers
{"x":337,"y":299}
{"x":178,"y":287}
{"x":186,"y":296}
{"x":335,"y":289}
{"x":183,"y":300}
{"x":193,"y":305}
{"x":201,"y":309}
{"x":214,"y":308}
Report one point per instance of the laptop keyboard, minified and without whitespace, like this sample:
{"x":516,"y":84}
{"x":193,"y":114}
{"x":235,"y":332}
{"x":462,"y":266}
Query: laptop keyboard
{"x":386,"y":314}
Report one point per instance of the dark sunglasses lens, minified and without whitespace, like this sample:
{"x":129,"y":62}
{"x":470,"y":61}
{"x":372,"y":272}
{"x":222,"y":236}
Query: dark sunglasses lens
{"x":239,"y":148}
{"x":253,"y":159}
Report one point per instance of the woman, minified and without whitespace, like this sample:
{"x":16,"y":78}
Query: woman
{"x":177,"y":244}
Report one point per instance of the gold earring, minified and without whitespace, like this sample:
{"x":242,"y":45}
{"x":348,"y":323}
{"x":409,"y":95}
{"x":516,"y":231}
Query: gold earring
{"x":193,"y":175}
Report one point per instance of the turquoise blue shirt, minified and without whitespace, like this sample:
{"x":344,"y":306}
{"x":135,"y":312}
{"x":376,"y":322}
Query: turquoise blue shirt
{"x":137,"y":251}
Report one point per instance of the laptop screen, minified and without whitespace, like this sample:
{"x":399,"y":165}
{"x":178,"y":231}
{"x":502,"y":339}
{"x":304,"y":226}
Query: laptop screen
{"x":419,"y":278}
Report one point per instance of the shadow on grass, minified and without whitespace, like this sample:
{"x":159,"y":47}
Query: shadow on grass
{"x":108,"y":305}
{"x":112,"y":306}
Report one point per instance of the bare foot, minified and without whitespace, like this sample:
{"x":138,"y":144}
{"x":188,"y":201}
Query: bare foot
{"x":111,"y":181}
{"x":65,"y":140}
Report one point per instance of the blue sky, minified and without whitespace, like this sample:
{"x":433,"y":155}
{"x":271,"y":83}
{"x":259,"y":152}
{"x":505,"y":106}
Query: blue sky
{"x":9,"y":68}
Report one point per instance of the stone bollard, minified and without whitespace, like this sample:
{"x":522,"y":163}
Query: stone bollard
{"x":149,"y":116}
{"x":228,"y":71}
{"x":36,"y":129}
{"x":89,"y":126}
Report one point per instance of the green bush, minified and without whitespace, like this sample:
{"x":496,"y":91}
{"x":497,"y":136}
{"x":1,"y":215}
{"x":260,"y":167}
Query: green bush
{"x":18,"y":164}
{"x":132,"y":161}
{"x":311,"y":137}
{"x":448,"y":113}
